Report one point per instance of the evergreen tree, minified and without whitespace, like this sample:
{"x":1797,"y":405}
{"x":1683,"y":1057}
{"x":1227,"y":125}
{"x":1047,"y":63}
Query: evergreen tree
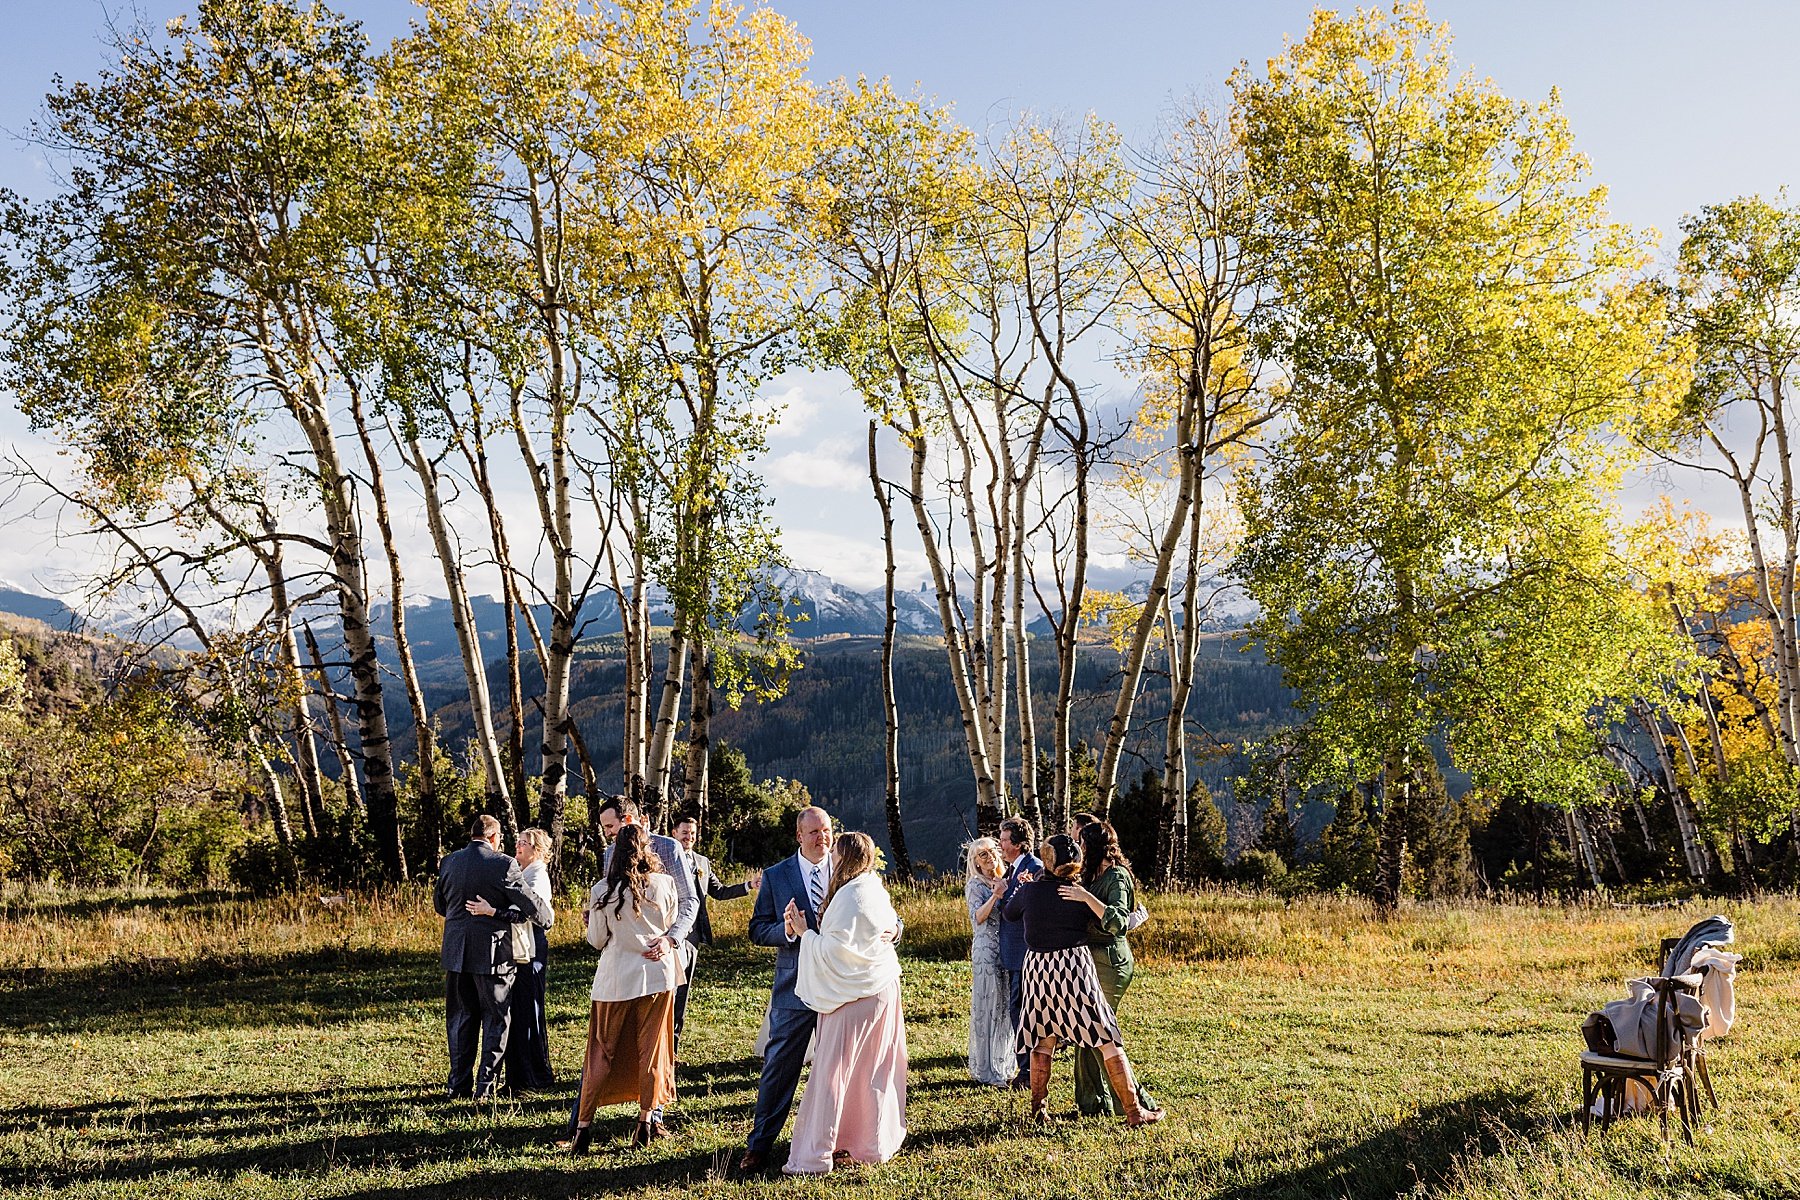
{"x":1438,"y":830}
{"x":1277,"y":835}
{"x":1347,"y":847}
{"x":1135,"y":815}
{"x":1206,"y":835}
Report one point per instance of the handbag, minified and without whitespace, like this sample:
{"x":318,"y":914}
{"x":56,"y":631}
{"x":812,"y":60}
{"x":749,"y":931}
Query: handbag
{"x":524,"y":945}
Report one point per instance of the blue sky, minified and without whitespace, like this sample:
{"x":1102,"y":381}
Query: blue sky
{"x":1677,"y":105}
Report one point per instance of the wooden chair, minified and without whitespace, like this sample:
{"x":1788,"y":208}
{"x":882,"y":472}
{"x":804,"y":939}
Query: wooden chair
{"x":1696,"y":1045}
{"x":1667,"y":1074}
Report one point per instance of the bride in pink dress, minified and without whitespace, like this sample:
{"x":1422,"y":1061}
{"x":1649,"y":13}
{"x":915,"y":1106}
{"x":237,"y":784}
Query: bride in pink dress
{"x":854,"y":1108}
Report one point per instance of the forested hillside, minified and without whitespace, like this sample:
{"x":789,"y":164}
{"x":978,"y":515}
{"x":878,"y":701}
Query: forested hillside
{"x":825,"y":730}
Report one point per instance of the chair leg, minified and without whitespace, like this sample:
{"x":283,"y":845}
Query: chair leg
{"x":1663,"y":1099}
{"x":1700,"y":1069}
{"x":1587,"y":1099}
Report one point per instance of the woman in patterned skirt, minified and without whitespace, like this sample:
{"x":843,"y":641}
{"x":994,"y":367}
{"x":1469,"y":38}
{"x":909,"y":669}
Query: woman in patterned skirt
{"x":1110,"y":893}
{"x":1062,"y":1000}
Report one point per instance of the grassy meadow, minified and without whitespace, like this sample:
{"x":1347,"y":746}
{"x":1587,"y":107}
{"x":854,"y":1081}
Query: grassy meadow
{"x":212,"y":1046}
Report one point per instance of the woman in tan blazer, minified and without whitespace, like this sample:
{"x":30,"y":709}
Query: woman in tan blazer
{"x":631,"y":1032}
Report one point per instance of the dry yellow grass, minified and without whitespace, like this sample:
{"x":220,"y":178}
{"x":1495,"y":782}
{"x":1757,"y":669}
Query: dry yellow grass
{"x":214,"y":1046}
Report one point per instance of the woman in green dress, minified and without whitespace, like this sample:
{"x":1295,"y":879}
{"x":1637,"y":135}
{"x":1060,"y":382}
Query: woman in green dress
{"x":1110,"y":892}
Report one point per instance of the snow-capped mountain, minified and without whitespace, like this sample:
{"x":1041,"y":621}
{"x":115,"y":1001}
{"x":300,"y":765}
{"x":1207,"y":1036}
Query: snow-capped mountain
{"x":820,"y":606}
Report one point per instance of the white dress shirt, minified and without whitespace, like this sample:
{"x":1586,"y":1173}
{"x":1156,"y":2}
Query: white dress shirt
{"x":815,"y":878}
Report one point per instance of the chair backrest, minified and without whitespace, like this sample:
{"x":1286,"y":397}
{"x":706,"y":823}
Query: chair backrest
{"x":1667,"y":1050}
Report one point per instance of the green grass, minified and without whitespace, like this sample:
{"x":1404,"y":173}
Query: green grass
{"x":206,"y":1046}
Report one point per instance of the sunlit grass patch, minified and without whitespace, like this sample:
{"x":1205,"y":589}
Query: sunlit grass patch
{"x":212,"y":1046}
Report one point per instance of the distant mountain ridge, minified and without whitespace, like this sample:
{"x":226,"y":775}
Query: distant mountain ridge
{"x":48,"y":609}
{"x":818,"y":606}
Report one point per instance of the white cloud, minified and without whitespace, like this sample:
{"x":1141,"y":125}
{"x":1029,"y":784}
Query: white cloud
{"x":794,"y":411}
{"x":835,"y":464}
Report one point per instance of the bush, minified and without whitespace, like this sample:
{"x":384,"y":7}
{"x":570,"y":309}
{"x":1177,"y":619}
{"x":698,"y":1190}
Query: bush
{"x":750,"y":823}
{"x":1259,"y":869}
{"x":120,"y":790}
{"x":260,"y":866}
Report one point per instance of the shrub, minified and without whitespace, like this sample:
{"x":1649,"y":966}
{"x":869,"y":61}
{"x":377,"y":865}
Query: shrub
{"x":260,"y":866}
{"x":1259,"y":869}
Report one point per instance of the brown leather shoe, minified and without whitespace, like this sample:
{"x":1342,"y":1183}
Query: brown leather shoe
{"x":752,"y":1162}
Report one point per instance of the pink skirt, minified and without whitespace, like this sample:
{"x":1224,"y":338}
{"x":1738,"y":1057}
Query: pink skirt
{"x":855,"y":1099}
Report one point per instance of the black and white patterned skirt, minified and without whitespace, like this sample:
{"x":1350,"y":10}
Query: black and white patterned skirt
{"x":1060,"y":997}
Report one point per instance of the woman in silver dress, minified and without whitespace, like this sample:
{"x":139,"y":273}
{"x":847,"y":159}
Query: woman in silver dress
{"x":991,"y":1032}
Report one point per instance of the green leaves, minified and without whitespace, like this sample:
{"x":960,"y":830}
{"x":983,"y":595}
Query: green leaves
{"x":1462,"y":328}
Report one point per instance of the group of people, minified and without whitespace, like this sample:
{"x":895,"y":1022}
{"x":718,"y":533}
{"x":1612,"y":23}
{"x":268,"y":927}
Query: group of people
{"x":1050,"y":964}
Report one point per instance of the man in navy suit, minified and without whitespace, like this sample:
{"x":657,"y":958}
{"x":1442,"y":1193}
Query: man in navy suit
{"x":1021,"y":867}
{"x":802,"y":880}
{"x":477,"y":953}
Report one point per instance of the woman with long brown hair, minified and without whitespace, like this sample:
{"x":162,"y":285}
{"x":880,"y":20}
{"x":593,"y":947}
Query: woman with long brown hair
{"x":1109,"y":890}
{"x":854,"y":1108}
{"x":631,"y":1029}
{"x":1061,"y":1000}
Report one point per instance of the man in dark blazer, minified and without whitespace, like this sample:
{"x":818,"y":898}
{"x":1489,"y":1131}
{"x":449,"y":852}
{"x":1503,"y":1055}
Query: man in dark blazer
{"x":706,"y":884}
{"x":1021,"y":866}
{"x":477,"y":954}
{"x":803,"y":879}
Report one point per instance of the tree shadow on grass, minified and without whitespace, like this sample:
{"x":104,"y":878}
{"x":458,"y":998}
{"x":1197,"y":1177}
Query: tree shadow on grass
{"x":318,"y":1133}
{"x":178,"y":1116}
{"x":1417,"y":1153}
{"x":329,"y":985}
{"x":221,"y":1133}
{"x":561,"y":1180}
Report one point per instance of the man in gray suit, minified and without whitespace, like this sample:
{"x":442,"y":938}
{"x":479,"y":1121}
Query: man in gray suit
{"x":477,"y":954}
{"x":706,"y":884}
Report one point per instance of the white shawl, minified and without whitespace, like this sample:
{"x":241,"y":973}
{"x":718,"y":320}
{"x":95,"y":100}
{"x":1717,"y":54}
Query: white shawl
{"x":848,"y":959}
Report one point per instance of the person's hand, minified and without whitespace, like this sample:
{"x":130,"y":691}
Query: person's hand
{"x":657,"y":949}
{"x":794,"y":919}
{"x":890,"y":936}
{"x":1074,"y":891}
{"x":1027,"y":877}
{"x":755,"y":880}
{"x":479,"y":907}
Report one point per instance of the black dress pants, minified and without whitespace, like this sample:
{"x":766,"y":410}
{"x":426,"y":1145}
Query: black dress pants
{"x":681,"y":993}
{"x":477,"y":1004}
